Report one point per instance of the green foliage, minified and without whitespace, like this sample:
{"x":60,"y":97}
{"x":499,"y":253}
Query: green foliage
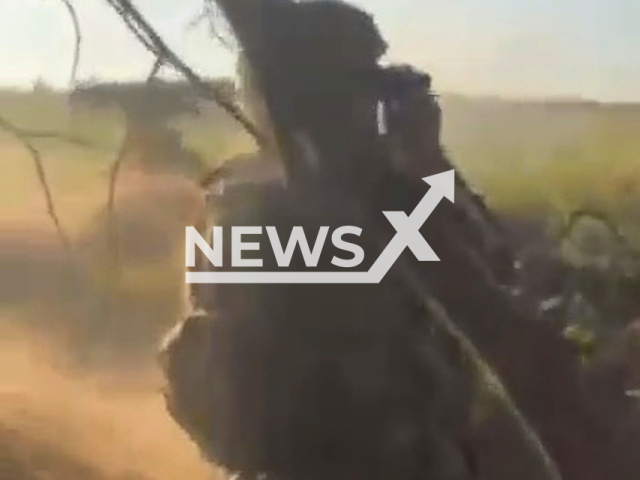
{"x":548,"y":156}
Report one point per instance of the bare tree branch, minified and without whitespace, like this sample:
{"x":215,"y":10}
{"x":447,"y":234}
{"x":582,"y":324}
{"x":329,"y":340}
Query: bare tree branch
{"x":112,"y":251}
{"x":147,"y":35}
{"x":78,"y":33}
{"x":24,"y":138}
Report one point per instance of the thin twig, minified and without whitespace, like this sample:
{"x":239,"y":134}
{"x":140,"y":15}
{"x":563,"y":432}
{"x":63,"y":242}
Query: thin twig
{"x":112,"y":233}
{"x":112,"y":251}
{"x":24,"y":139}
{"x":576,"y":216}
{"x":50,"y":135}
{"x":78,"y":33}
{"x":202,"y":15}
{"x":155,"y":69}
{"x":148,"y":36}
{"x":114,"y":172}
{"x":209,"y":13}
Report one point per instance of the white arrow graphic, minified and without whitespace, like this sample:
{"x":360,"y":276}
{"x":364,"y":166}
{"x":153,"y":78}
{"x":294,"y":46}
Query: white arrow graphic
{"x":407,"y":236}
{"x":408,"y":228}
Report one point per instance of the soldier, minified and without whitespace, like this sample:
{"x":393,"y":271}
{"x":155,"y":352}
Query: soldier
{"x":351,"y":382}
{"x":305,"y":382}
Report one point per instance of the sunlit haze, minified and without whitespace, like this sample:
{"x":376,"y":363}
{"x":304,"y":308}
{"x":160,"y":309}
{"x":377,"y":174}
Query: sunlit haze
{"x":567,"y":48}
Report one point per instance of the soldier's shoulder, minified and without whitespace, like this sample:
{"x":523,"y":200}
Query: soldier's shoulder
{"x":242,"y":181}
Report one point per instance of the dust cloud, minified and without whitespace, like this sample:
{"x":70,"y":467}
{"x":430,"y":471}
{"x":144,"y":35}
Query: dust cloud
{"x":80,"y":393}
{"x":59,"y":424}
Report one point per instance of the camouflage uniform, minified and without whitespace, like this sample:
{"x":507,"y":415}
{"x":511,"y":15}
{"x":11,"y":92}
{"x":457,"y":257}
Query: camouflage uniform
{"x":331,"y":381}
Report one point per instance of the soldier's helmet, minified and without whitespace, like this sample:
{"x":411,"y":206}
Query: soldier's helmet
{"x":319,"y":47}
{"x":334,"y":34}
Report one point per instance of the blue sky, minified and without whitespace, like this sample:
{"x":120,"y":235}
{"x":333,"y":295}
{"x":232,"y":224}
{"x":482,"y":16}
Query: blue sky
{"x":512,"y":48}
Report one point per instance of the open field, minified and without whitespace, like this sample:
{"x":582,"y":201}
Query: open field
{"x":523,"y":155}
{"x":59,"y":351}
